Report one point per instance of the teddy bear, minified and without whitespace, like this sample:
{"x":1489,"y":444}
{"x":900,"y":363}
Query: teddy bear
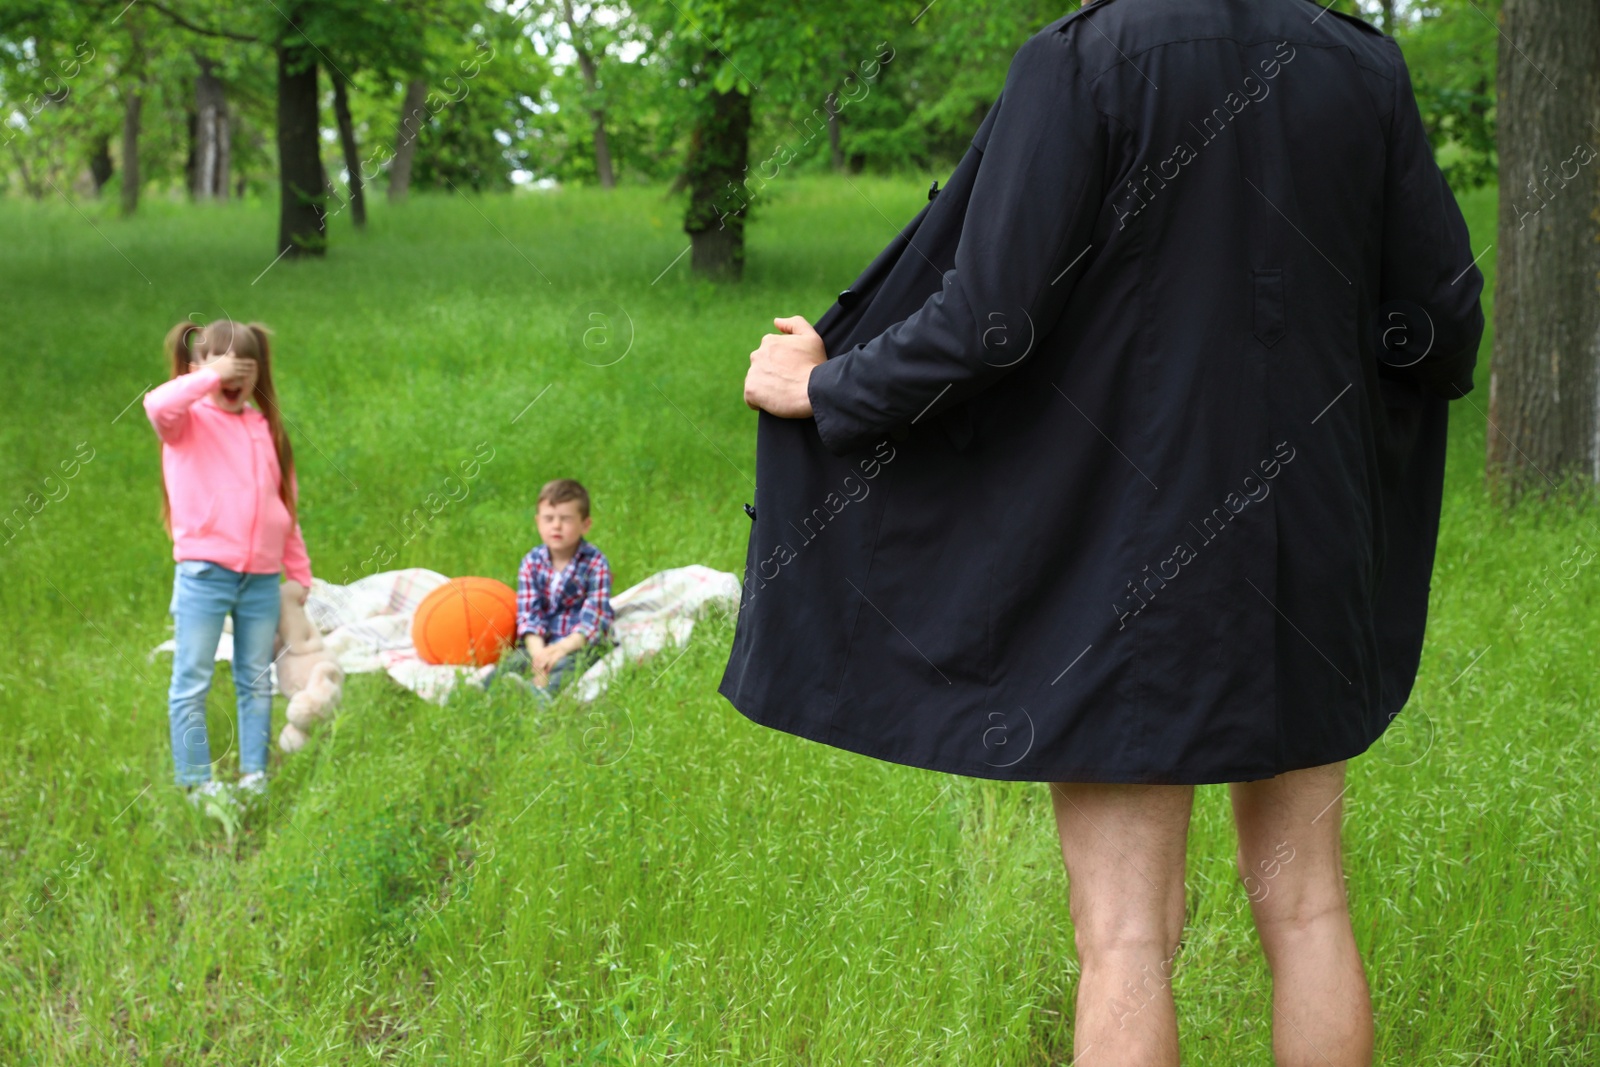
{"x":308,"y":674}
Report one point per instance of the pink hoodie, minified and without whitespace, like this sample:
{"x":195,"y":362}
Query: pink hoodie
{"x":222,"y":479}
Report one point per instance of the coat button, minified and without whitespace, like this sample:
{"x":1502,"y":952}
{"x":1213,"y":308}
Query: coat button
{"x":933,"y":190}
{"x":848,"y":298}
{"x":750,"y":511}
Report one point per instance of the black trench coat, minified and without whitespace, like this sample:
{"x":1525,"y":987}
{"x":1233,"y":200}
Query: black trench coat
{"x":1126,"y":461}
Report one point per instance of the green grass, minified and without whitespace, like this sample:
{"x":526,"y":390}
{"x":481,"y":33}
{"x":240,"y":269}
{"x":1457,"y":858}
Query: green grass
{"x":652,"y":877}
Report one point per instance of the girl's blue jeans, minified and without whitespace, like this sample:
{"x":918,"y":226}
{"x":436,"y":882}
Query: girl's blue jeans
{"x":203,"y":595}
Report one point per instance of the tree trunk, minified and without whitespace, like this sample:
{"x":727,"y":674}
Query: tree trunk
{"x":210,"y":134}
{"x":347,"y":141}
{"x":602,"y":146}
{"x":100,"y":168}
{"x":192,"y":127}
{"x":597,"y":111}
{"x":1544,"y":382}
{"x":719,"y":150}
{"x":35,"y":189}
{"x":835,"y":147}
{"x":302,"y":225}
{"x":1386,"y":16}
{"x":412,"y":117}
{"x":224,"y":152}
{"x":132,"y":108}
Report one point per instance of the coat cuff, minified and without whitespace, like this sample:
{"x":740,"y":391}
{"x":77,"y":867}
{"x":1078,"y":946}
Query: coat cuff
{"x":840,"y":434}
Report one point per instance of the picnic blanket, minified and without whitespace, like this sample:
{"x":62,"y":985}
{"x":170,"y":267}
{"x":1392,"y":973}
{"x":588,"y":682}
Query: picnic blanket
{"x":367,"y":626}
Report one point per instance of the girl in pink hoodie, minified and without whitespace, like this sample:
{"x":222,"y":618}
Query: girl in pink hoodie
{"x":229,"y":505}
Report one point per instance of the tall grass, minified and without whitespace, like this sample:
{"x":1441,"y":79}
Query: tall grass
{"x":652,"y":877}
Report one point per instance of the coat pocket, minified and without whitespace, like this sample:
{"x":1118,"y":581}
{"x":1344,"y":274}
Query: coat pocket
{"x":1269,"y":312}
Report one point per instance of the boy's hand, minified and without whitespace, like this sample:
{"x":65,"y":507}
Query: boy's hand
{"x":781,"y":368}
{"x":547,"y":656}
{"x":534,"y":645}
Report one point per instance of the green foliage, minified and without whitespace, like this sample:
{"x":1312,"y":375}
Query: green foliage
{"x":1450,"y":50}
{"x":482,"y":122}
{"x":631,"y":87}
{"x":948,"y":69}
{"x":908,"y":81}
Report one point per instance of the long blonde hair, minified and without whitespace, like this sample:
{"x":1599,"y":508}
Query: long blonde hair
{"x":189,"y":343}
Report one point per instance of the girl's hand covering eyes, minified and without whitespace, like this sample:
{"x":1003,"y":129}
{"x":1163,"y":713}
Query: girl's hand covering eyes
{"x":229,"y":367}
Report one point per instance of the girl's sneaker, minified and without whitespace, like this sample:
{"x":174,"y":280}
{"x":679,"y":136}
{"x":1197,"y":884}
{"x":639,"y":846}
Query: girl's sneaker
{"x":197,"y":794}
{"x":254,"y":785}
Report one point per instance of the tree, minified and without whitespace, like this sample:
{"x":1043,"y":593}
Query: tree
{"x":606,"y":110}
{"x":347,"y":144}
{"x":302,"y":192}
{"x":212,"y":138}
{"x":582,"y":38}
{"x":1544,"y":415}
{"x":716,"y":163}
{"x":721,"y":54}
{"x":382,"y":38}
{"x":412,"y":116}
{"x":56,"y":102}
{"x":133,"y":78}
{"x":475,"y":130}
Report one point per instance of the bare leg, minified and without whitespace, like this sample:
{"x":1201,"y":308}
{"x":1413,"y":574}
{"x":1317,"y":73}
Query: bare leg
{"x":1124,"y":851}
{"x":1290,"y":861}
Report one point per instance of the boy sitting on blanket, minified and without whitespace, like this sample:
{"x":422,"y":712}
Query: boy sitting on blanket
{"x":564,"y":611}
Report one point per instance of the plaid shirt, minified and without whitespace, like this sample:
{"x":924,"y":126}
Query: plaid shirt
{"x":583,"y":598}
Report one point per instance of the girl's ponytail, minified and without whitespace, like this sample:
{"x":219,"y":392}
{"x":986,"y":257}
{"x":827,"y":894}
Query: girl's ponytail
{"x":180,"y":350}
{"x":180,"y":353}
{"x":266,"y":398}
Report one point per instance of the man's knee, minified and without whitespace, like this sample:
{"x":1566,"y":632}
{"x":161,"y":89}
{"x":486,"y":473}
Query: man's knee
{"x":1289,"y":900}
{"x":1149,"y":935}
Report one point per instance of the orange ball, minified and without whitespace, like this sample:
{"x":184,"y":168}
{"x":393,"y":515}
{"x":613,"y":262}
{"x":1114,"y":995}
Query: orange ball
{"x":466,"y":621}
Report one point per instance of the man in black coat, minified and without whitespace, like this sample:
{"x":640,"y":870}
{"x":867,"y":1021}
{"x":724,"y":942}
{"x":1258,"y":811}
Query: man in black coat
{"x":1120,"y":469}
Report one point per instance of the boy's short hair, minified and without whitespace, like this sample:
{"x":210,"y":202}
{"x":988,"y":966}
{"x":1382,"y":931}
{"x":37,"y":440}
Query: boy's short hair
{"x":561,"y":490}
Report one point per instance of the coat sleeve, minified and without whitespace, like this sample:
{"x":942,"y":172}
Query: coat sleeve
{"x":1034,"y":201}
{"x":1427,"y":258}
